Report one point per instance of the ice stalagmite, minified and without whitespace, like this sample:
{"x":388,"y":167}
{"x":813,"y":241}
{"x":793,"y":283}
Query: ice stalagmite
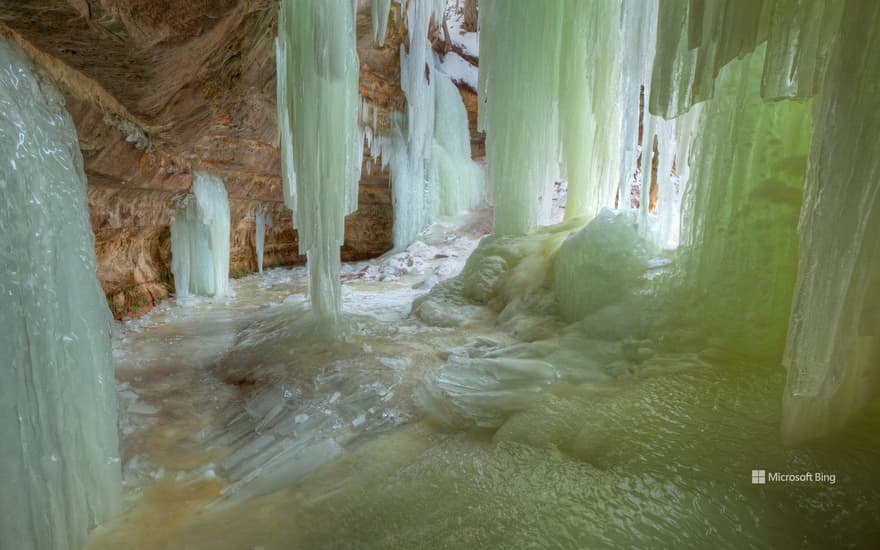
{"x":518,"y":87}
{"x":200,"y":239}
{"x":262,"y":218}
{"x":318,"y":110}
{"x":59,"y":463}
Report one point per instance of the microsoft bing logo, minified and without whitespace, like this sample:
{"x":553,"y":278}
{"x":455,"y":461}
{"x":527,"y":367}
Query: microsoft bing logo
{"x":759,"y":477}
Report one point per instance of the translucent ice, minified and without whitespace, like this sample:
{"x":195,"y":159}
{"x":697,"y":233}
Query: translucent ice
{"x":262,"y":218}
{"x":200,"y":233}
{"x":59,"y":461}
{"x":318,"y":109}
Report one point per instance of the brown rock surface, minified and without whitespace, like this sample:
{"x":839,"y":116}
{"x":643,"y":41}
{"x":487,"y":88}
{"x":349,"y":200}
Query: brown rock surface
{"x":159,"y":89}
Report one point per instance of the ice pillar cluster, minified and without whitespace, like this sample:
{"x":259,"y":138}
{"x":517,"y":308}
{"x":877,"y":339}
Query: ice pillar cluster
{"x":428,"y":150}
{"x":59,"y":463}
{"x":321,"y":141}
{"x":817,"y":50}
{"x":758,"y":120}
{"x":200,"y":239}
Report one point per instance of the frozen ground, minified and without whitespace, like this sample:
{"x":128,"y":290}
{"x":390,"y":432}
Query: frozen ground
{"x":242,"y":427}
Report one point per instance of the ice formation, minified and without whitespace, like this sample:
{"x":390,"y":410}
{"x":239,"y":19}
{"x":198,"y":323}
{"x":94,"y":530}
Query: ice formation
{"x":262,"y":218}
{"x":518,"y":87}
{"x":321,"y":141}
{"x":456,"y":179}
{"x":200,"y":239}
{"x":379,"y":14}
{"x":428,"y":149}
{"x":412,"y":142}
{"x":717,"y":134}
{"x":59,"y":461}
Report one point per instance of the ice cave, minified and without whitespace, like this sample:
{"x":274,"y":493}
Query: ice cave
{"x":503,"y":274}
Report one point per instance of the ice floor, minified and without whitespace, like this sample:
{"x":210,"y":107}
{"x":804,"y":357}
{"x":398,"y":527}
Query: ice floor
{"x":243,"y":427}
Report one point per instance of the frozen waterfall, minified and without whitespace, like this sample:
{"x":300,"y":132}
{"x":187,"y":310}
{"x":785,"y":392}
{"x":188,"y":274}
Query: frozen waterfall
{"x":200,"y":239}
{"x":59,"y":461}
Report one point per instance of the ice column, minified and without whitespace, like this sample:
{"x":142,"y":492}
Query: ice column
{"x":59,"y":462}
{"x":200,"y":239}
{"x":589,"y":92}
{"x":262,"y":218}
{"x":318,"y":110}
{"x":518,"y":87}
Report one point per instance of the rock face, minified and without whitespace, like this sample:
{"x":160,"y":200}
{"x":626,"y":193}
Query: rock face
{"x":159,"y":89}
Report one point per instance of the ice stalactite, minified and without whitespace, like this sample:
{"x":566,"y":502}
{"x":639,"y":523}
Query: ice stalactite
{"x":318,"y":110}
{"x":262,"y":218}
{"x":200,"y":236}
{"x":518,"y":87}
{"x":59,"y":461}
{"x":379,"y":15}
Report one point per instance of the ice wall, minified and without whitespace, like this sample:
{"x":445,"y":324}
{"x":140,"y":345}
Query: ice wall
{"x":200,"y":239}
{"x":262,"y":218}
{"x":59,"y":462}
{"x":833,"y":351}
{"x":427,"y":150}
{"x":746,"y":183}
{"x":320,"y":139}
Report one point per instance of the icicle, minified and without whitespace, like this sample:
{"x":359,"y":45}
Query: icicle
{"x":379,"y":15}
{"x":262,"y":218}
{"x":200,"y":236}
{"x":58,"y":441}
{"x":798,"y":47}
{"x":319,"y":102}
